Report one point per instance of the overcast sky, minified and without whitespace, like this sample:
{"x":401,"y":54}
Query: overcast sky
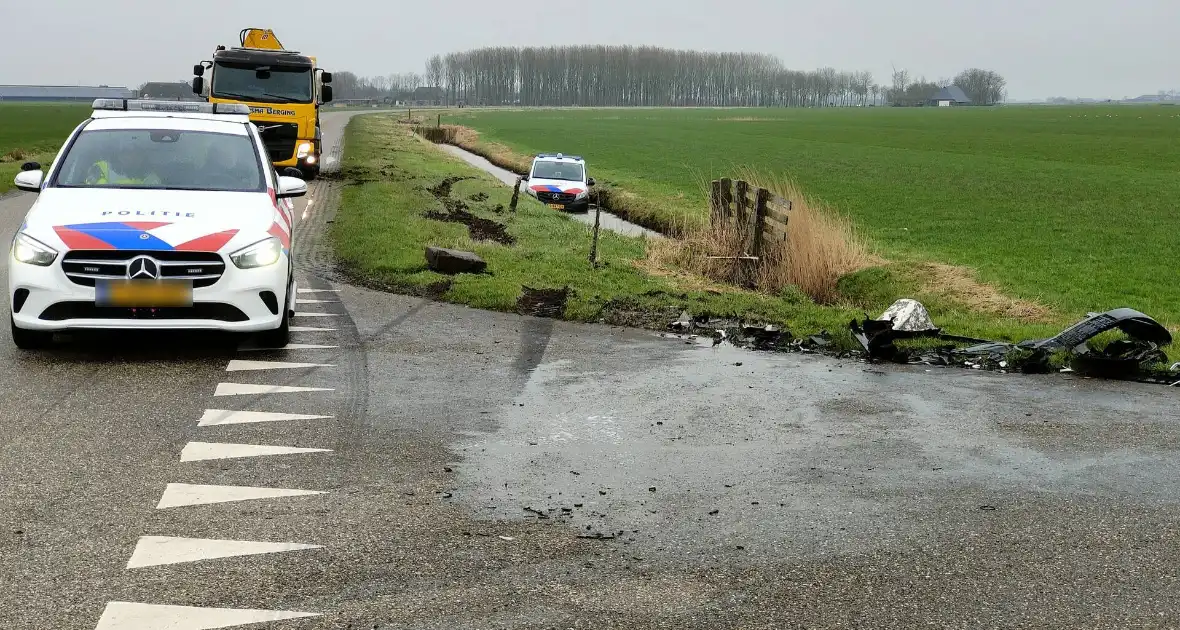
{"x":1098,"y":48}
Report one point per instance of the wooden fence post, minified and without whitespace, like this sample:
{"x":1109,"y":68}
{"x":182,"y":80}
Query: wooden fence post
{"x":726,"y":197}
{"x":594,"y":246}
{"x":741,"y":200}
{"x":762,"y":198}
{"x":439,"y":125}
{"x":515,"y":194}
{"x":715,"y":215}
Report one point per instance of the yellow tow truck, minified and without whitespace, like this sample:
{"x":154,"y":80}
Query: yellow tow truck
{"x":284,"y":90}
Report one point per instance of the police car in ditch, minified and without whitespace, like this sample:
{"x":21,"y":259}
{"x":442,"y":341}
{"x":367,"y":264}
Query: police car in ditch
{"x":560,"y":182}
{"x":156,"y":215}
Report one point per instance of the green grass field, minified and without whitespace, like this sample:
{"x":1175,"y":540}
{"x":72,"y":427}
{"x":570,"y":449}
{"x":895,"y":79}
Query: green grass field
{"x":1073,"y":207}
{"x":36,"y":129}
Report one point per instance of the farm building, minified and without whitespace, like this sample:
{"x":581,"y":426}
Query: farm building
{"x":425,"y":97}
{"x":949,"y":97}
{"x":61,"y":93}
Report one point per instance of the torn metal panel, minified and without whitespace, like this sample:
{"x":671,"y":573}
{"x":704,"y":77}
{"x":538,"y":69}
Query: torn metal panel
{"x":1135,"y":324}
{"x":1122,"y":359}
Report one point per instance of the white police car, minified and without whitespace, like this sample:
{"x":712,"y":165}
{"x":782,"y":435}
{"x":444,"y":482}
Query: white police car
{"x":560,"y":182}
{"x":156,"y":215}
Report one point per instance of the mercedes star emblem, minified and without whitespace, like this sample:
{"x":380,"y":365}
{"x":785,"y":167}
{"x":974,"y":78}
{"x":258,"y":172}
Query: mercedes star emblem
{"x":143,"y":267}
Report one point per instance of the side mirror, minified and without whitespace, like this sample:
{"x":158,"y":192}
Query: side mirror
{"x":524,"y":178}
{"x":590,"y":182}
{"x":291,"y":187}
{"x":199,"y":70}
{"x":30,"y":166}
{"x":326,"y":93}
{"x":29,"y":181}
{"x":291,"y":171}
{"x":198,"y":86}
{"x":325,"y":77}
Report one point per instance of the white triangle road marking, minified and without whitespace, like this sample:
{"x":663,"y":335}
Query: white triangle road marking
{"x":240,"y":389}
{"x":251,"y":366}
{"x":205,"y":451}
{"x":311,"y":301}
{"x":307,"y":314}
{"x":310,"y":329}
{"x":217,"y":417}
{"x":132,"y":616}
{"x":183,"y":494}
{"x":290,"y":346}
{"x":318,"y":291}
{"x":153,"y":551}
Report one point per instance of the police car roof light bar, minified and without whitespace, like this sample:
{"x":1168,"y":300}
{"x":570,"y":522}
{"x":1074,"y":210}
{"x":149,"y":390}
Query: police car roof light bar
{"x":560,"y":156}
{"x":129,"y":105}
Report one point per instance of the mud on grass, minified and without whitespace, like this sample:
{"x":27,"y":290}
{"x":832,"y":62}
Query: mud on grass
{"x":478,"y":228}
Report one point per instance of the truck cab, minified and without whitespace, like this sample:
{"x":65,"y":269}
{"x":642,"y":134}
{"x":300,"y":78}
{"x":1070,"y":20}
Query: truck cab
{"x":283,"y":89}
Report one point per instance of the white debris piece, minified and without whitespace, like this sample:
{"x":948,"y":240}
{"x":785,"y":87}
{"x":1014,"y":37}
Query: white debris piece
{"x":910,"y":316}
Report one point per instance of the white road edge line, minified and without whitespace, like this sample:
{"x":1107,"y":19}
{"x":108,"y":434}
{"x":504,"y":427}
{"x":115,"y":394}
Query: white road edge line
{"x":154,"y":551}
{"x":184,"y":494}
{"x":238,"y":365}
{"x":242,"y":389}
{"x":291,"y":346}
{"x":206,"y":451}
{"x":133,"y":616}
{"x":218,"y":417}
{"x":310,"y":329}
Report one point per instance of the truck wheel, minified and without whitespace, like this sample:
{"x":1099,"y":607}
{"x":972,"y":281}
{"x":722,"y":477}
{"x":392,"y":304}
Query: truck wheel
{"x":29,"y":339}
{"x":310,"y":172}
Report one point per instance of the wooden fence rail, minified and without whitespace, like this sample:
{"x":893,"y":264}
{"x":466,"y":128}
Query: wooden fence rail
{"x":760,"y":223}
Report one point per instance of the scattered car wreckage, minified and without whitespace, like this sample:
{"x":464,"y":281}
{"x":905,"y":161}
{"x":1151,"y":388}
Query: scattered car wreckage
{"x":1133,"y":357}
{"x":1138,"y":355}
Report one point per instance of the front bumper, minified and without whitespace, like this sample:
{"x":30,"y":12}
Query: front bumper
{"x":50,"y":301}
{"x":577,"y":205}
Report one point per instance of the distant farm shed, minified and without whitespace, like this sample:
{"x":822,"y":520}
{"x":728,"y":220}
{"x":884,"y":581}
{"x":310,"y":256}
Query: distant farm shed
{"x":61,"y":93}
{"x":949,"y":97}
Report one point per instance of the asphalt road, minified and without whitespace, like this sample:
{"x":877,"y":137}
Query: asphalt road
{"x":671,"y":485}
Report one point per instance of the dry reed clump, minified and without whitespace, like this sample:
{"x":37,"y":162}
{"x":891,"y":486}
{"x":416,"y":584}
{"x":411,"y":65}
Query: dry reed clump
{"x":820,"y":246}
{"x":960,"y":285}
{"x":15,"y":155}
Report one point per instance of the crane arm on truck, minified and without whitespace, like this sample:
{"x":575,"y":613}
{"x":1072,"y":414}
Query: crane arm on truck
{"x":263,"y":38}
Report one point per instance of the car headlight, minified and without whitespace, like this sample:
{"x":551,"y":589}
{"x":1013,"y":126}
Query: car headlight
{"x":304,"y":149}
{"x":260,"y":254}
{"x":583,"y":194}
{"x":30,"y":251}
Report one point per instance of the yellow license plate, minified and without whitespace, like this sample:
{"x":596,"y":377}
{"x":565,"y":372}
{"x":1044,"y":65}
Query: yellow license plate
{"x":152,"y":293}
{"x":558,"y":206}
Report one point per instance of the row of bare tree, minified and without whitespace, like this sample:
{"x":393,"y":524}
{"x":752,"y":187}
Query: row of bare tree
{"x":649,"y":76}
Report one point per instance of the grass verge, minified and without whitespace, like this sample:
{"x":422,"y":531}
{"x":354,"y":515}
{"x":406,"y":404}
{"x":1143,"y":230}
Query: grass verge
{"x":393,"y":182}
{"x":393,"y":179}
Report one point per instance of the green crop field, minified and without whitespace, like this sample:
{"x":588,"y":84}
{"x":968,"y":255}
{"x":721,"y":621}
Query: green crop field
{"x":1073,"y":207}
{"x":33,"y":131}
